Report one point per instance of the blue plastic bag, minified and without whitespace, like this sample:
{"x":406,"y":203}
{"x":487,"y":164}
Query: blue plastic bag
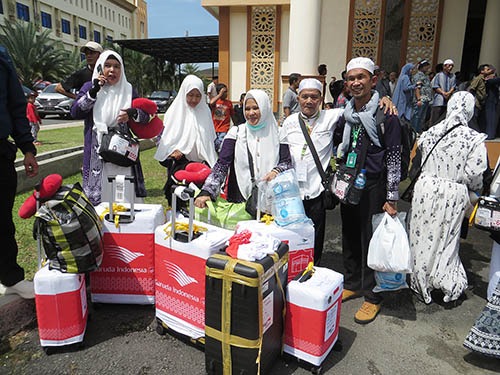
{"x":389,"y":281}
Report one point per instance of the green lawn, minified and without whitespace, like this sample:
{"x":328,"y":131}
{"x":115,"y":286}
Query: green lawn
{"x":154,"y":174}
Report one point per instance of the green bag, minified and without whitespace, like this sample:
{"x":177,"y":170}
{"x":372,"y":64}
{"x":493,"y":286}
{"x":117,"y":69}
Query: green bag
{"x":223,"y":213}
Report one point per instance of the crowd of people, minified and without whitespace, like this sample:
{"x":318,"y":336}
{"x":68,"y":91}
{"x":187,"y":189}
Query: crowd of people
{"x":453,"y":125}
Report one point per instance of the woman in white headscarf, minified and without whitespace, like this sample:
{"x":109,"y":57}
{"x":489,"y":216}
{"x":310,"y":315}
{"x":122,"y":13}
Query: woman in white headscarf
{"x":105,"y":103}
{"x":188,"y":134}
{"x":260,"y":136}
{"x":441,"y":197}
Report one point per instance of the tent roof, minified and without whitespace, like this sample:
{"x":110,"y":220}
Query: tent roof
{"x":184,"y":50}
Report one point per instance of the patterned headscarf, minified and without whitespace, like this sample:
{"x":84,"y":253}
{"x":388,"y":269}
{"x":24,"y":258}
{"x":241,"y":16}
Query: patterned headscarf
{"x":460,"y":109}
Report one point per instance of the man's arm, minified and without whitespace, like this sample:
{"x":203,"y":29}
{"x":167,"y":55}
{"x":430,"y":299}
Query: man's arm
{"x":218,"y":96}
{"x":61,"y":90}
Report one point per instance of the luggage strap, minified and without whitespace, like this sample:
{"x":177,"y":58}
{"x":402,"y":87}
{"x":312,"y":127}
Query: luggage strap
{"x":228,"y":276}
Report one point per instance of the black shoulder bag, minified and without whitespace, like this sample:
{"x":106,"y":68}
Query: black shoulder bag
{"x":253,"y":200}
{"x":330,"y":200}
{"x":415,"y":173}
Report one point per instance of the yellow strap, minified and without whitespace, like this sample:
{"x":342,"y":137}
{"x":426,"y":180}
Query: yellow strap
{"x":116,"y":208}
{"x":473,"y":214}
{"x":267,"y":219}
{"x":182,"y":227}
{"x":309,"y":268}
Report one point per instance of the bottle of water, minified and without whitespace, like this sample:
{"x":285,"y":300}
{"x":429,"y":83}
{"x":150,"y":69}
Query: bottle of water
{"x":287,"y":206}
{"x":358,"y":187}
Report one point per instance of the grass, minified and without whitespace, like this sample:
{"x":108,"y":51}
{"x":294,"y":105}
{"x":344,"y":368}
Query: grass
{"x":154,"y":175}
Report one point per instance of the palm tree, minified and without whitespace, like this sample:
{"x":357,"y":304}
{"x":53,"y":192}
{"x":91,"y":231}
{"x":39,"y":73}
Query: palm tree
{"x":35,"y":54}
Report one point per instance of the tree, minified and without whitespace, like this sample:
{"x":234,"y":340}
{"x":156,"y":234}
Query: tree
{"x":35,"y":54}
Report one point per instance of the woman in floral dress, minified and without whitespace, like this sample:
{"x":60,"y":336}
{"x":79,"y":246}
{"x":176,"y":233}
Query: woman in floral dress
{"x":441,"y":198}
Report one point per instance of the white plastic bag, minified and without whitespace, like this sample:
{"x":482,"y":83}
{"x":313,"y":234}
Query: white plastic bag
{"x":389,"y":249}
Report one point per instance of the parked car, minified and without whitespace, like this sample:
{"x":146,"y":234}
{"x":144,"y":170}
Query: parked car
{"x":27,"y":91}
{"x":163,"y":99}
{"x":50,"y":102}
{"x":40,"y":85}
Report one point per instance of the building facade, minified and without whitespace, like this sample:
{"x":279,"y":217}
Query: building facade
{"x":262,"y":41}
{"x":75,"y":22}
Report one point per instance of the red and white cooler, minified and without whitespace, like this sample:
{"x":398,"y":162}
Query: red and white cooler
{"x":61,"y":307}
{"x":313,"y":314}
{"x":300,"y":240}
{"x":127,"y":272}
{"x":180,"y":277}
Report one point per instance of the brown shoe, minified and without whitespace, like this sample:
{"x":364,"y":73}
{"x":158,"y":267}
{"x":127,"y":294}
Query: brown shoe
{"x":367,"y":313}
{"x":349,"y":294}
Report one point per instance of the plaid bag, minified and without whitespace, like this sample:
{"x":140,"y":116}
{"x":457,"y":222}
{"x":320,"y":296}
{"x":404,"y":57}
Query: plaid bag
{"x":70,"y":230}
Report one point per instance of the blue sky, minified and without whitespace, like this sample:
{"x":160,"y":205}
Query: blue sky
{"x":172,"y":18}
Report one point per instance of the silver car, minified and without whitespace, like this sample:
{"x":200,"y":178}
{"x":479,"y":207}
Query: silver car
{"x":50,"y":102}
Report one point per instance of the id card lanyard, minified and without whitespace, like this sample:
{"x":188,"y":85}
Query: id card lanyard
{"x":309,"y":130}
{"x":353,"y":156}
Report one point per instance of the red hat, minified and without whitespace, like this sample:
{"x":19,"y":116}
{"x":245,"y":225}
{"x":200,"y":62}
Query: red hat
{"x":153,"y":127}
{"x":48,"y":187}
{"x":194,"y":172}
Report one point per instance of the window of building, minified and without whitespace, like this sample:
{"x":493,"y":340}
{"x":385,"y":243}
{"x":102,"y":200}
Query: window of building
{"x":82,"y":31}
{"x":101,"y":9}
{"x":109,"y":38}
{"x":97,"y":36}
{"x":142,"y":27}
{"x":1,"y":7}
{"x":46,"y":20}
{"x":23,"y":12}
{"x":65,"y":26}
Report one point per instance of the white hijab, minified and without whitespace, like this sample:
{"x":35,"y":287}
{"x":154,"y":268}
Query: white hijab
{"x":263,"y":144}
{"x":189,"y":130}
{"x":110,"y":98}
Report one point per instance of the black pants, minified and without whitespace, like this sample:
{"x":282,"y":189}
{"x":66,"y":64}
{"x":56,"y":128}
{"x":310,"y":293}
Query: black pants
{"x":315,"y":210}
{"x":356,"y":234}
{"x":10,"y":272}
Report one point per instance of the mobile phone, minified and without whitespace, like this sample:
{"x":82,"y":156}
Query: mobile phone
{"x":99,"y":69}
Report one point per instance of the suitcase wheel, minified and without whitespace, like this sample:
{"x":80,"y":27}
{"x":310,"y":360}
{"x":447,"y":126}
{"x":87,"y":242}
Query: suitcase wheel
{"x":48,"y":350}
{"x":160,"y":329}
{"x":316,"y":370}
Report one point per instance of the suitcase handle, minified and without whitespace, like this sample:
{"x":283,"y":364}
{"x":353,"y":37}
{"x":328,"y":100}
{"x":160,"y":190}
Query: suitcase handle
{"x":184,"y":193}
{"x":122,"y":218}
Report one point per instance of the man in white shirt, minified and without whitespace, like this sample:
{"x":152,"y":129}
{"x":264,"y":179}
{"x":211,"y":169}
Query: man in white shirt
{"x":320,"y":124}
{"x":211,"y":89}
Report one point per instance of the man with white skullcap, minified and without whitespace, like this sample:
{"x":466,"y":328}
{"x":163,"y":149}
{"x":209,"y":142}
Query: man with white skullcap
{"x":320,"y":125}
{"x":366,"y":146}
{"x":443,"y":85}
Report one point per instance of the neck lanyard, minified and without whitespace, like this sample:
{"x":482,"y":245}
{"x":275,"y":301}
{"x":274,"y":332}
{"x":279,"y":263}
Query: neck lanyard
{"x":355,"y":134}
{"x":309,"y":129}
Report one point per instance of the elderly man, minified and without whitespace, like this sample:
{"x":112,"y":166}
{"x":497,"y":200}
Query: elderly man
{"x":320,"y":125}
{"x":365,"y":146}
{"x":92,"y":51}
{"x":290,"y":102}
{"x":443,"y":85}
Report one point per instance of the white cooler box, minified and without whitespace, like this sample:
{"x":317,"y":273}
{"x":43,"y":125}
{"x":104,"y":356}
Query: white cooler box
{"x":300,"y":240}
{"x":127,"y":272}
{"x":61,"y":307}
{"x":180,"y":278}
{"x":313,"y":315}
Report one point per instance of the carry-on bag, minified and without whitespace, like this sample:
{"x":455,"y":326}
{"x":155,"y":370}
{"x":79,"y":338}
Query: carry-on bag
{"x":300,"y":240}
{"x":61,"y":303}
{"x":127,"y":271}
{"x":182,"y":247}
{"x":244,"y":312}
{"x":313,"y":303}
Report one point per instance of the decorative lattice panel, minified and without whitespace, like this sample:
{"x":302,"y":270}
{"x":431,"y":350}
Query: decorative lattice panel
{"x":263,"y":39}
{"x":422,"y":30}
{"x":366,"y":28}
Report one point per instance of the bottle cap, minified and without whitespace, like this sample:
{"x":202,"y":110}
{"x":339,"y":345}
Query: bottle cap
{"x":363,"y":171}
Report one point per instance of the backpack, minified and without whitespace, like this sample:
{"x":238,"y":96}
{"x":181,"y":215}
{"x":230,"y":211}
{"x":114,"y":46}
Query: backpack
{"x":70,"y":230}
{"x":408,"y":138}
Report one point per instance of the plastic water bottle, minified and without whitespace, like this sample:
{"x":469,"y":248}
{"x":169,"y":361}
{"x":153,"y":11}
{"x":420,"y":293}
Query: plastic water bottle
{"x":287,"y":206}
{"x":358,"y":187}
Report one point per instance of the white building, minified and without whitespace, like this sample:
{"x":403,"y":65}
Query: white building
{"x":76,"y":22}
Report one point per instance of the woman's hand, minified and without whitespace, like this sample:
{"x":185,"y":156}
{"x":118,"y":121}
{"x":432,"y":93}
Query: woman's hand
{"x":176,"y":155}
{"x":388,"y":106}
{"x":201,"y":202}
{"x":122,"y":116}
{"x":391,"y":207}
{"x":270,"y":175}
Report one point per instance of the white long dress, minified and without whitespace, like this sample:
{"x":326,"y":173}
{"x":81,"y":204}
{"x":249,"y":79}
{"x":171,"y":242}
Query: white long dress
{"x":438,"y":206}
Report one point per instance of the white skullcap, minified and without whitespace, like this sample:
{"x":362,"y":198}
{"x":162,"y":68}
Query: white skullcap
{"x":361,"y":62}
{"x":310,"y":83}
{"x":448,"y":62}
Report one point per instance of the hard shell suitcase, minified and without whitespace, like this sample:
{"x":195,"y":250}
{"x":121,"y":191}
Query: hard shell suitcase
{"x":127,"y":272}
{"x":244,"y":313}
{"x":182,"y":248}
{"x":313,"y":304}
{"x":300,"y":240}
{"x":61,"y":303}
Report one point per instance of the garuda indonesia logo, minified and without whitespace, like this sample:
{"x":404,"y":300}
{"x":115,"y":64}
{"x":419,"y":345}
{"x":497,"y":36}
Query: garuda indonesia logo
{"x":178,"y":274}
{"x":121,"y":253}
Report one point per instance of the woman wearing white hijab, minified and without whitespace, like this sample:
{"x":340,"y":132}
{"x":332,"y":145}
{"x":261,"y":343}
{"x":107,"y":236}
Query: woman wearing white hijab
{"x":188,"y":133}
{"x":103,"y":103}
{"x":441,"y":197}
{"x":259,"y":136}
